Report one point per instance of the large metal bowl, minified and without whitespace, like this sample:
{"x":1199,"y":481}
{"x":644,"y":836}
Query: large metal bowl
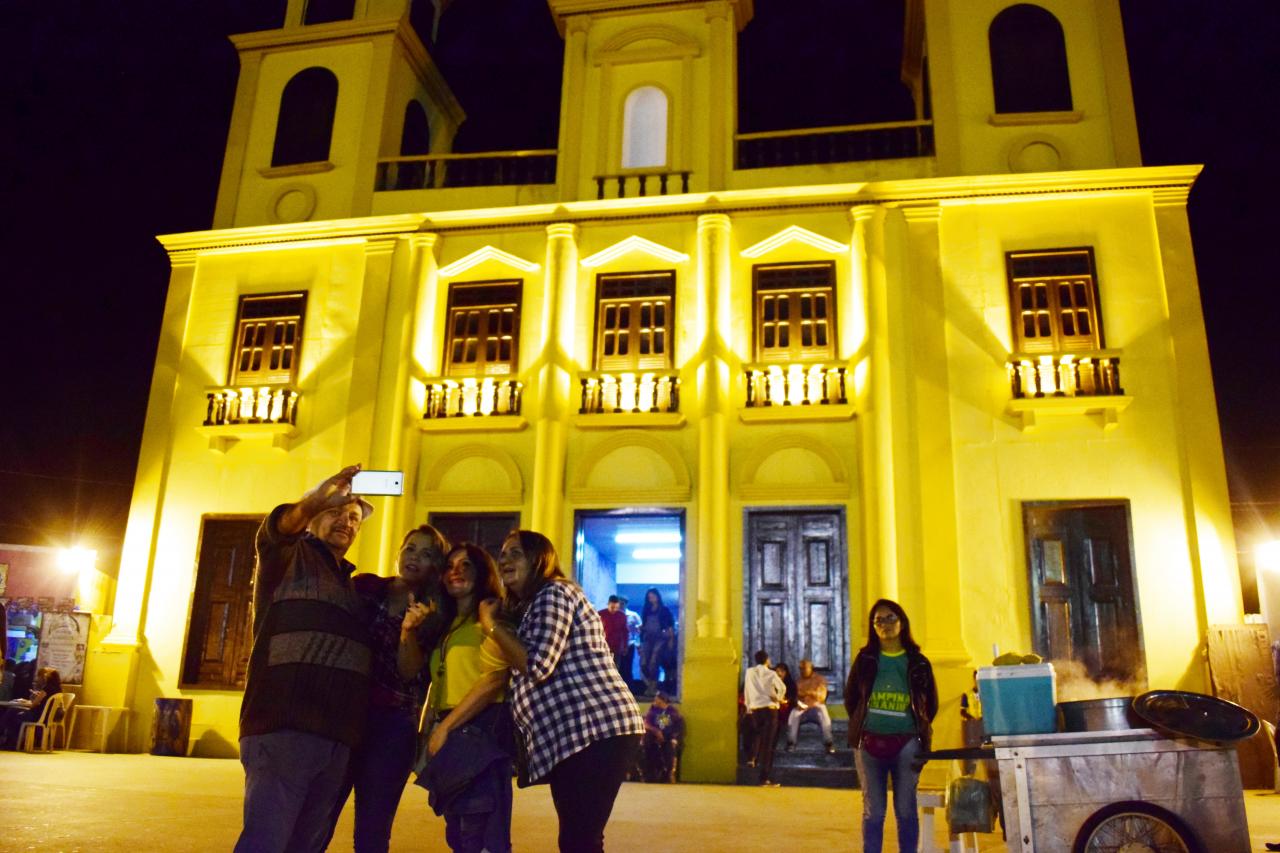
{"x":1098,"y":715}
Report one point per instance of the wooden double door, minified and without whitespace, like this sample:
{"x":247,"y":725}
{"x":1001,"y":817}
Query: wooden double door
{"x":797,"y":591}
{"x":1079,"y":556}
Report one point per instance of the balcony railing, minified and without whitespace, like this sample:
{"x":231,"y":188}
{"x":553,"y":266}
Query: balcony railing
{"x":485,"y":169}
{"x":803,"y":384}
{"x":642,"y":183}
{"x":457,"y":398}
{"x":263,"y":405}
{"x":626,"y":391}
{"x":841,"y":144}
{"x":1095,"y":374}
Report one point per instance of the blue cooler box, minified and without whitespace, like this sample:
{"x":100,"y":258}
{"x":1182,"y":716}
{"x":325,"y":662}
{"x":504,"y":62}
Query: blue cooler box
{"x":1018,"y":700}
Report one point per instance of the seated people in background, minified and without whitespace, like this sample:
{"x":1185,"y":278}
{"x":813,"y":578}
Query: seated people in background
{"x":811,"y":699}
{"x":614,"y":620}
{"x":47,"y":683}
{"x":663,"y":735}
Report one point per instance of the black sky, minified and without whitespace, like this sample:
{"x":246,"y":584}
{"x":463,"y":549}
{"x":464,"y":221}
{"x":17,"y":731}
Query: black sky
{"x":115,"y":116}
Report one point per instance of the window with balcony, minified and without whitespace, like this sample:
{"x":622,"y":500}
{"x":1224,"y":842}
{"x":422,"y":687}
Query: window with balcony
{"x":795,"y":337}
{"x":633,"y":346}
{"x":264,"y":364}
{"x":481,"y":353}
{"x":304,"y":126}
{"x":1057,"y":327}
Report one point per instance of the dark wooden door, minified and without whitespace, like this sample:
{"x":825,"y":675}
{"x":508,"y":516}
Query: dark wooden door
{"x":220,"y":635}
{"x":486,"y":529}
{"x":1082,"y":594}
{"x":797,"y":591}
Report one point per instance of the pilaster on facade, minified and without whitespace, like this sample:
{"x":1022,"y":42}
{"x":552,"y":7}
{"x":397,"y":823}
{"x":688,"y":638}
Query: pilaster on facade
{"x":551,"y":376}
{"x":714,"y":280}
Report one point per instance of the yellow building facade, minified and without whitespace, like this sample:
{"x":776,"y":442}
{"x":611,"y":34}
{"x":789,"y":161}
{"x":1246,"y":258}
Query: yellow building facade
{"x":957,"y":361}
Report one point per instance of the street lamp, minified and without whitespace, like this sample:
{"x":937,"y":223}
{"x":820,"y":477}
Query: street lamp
{"x":77,"y":560}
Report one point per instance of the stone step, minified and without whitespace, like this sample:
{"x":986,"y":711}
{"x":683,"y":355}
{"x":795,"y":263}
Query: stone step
{"x":809,"y":765}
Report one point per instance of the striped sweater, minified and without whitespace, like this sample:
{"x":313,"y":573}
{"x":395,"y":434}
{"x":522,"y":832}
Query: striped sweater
{"x":309,"y":668}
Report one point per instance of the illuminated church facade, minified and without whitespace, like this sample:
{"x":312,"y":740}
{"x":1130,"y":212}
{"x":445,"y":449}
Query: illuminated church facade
{"x":957,"y":361}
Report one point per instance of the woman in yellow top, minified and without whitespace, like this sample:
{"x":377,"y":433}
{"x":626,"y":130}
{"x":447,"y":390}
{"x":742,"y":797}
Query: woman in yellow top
{"x":468,"y":682}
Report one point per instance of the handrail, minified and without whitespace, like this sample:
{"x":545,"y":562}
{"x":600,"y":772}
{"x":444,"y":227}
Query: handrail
{"x":481,"y":155}
{"x":839,"y":128}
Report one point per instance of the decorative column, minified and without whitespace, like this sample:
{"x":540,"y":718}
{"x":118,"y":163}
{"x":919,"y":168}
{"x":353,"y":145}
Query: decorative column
{"x":1205,"y":503}
{"x":928,"y":551}
{"x":391,"y":434}
{"x":870,"y":359}
{"x":710,"y":671}
{"x":550,"y":418}
{"x":713,"y":446}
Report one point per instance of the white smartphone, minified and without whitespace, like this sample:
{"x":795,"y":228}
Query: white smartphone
{"x":378,"y":483}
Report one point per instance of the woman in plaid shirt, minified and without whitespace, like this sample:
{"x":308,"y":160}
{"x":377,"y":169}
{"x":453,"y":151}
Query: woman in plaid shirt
{"x":579,"y":724}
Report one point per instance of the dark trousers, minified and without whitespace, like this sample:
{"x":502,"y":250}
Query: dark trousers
{"x":764,"y":736}
{"x":290,"y":782}
{"x":660,"y":758}
{"x":584,"y":787}
{"x":378,"y":772}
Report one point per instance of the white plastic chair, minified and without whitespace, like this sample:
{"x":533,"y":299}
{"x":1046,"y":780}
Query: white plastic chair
{"x":52,"y":722}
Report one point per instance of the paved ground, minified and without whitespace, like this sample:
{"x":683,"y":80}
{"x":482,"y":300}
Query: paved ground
{"x":69,"y":801}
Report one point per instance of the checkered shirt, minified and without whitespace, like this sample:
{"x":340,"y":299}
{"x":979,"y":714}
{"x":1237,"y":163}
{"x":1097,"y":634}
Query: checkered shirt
{"x":571,"y":694}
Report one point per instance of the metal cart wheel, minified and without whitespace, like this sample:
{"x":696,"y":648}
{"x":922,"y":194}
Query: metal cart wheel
{"x":1135,"y":826}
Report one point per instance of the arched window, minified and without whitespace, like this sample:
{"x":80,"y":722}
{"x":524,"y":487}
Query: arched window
{"x":305,"y":124}
{"x":325,"y":11}
{"x":415,"y":138}
{"x":1028,"y":61}
{"x":644,"y":128}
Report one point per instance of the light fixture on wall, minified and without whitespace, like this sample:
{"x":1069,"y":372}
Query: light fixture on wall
{"x":655,"y":554}
{"x":647,"y":537}
{"x":77,"y":560}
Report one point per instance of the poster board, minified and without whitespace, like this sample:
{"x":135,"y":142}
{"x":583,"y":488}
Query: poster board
{"x":64,"y":639}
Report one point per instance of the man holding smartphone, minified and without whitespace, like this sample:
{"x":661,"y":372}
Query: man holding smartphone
{"x":307,"y":688}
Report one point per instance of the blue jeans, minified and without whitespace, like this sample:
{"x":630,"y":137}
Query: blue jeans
{"x":874,"y":775}
{"x":290,"y":781}
{"x":379,"y":771}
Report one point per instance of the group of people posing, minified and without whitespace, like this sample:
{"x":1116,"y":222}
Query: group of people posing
{"x":508,"y":658}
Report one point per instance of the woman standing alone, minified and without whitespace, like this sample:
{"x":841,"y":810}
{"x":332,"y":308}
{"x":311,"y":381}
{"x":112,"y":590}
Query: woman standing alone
{"x":892,"y":699}
{"x":576,"y":719}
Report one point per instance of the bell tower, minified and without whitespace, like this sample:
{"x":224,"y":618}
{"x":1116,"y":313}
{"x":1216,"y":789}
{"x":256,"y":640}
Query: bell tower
{"x":650,"y":88}
{"x":340,"y":86}
{"x":1024,"y":87}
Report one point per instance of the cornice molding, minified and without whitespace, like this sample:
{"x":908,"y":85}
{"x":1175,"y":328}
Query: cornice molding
{"x":1169,"y":182}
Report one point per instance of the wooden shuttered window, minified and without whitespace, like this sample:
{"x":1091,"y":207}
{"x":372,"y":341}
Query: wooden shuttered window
{"x":484,"y":329}
{"x":1054,"y":300}
{"x":268,"y":339}
{"x":795,"y":312}
{"x":633,"y":321}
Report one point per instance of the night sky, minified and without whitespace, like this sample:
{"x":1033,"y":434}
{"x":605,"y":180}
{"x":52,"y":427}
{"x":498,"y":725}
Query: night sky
{"x":115,"y":116}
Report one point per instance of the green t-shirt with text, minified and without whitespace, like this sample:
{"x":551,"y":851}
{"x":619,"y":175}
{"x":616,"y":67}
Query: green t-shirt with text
{"x":889,"y":708}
